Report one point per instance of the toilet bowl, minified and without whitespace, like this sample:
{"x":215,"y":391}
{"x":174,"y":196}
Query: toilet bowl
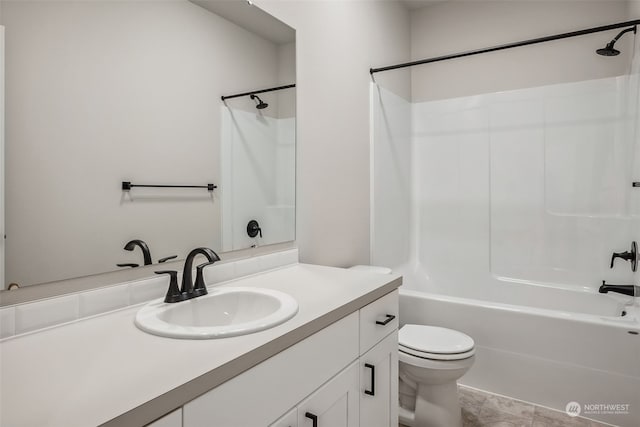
{"x":431,"y":361}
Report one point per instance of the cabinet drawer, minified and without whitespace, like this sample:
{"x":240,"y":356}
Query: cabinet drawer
{"x":377,"y":320}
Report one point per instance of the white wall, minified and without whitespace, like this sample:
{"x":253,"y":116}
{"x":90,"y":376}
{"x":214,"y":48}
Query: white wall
{"x":105,"y":92}
{"x":457,"y":26}
{"x":634,"y":9}
{"x":337,"y":43}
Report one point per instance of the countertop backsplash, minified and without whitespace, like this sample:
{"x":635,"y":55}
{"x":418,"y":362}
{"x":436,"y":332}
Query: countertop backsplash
{"x":33,"y":316}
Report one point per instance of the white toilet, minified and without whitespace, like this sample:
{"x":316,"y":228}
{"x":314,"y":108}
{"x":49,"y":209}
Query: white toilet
{"x":431,"y":361}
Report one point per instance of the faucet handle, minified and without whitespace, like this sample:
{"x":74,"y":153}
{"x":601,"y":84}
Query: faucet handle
{"x":628,"y":256}
{"x":200,"y":288}
{"x":167,"y":258}
{"x":173,"y":294}
{"x":132,"y":265}
{"x":622,"y":255}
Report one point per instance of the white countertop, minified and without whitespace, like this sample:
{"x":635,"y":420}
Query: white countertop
{"x":105,"y":370}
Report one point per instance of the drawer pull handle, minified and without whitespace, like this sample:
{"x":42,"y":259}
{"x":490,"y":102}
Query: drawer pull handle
{"x":386,"y":321}
{"x":313,"y":418}
{"x":371,"y":392}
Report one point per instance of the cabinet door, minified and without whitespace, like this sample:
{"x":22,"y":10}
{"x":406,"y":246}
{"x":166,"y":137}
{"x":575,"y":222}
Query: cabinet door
{"x":288,"y":420}
{"x":335,"y":404}
{"x":379,"y":384}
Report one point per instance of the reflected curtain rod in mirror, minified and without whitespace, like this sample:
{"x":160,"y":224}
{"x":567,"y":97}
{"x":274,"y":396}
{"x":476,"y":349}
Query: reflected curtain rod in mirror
{"x":254,"y":92}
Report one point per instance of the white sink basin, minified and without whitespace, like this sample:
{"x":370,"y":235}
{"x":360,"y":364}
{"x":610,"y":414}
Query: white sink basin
{"x":224,"y":312}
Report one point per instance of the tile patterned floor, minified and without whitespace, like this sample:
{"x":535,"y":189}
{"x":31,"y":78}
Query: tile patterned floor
{"x":480,"y":409}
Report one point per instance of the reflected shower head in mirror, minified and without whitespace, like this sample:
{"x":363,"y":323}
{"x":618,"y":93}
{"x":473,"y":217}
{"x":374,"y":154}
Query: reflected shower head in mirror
{"x":609,"y":50}
{"x":261,"y":105}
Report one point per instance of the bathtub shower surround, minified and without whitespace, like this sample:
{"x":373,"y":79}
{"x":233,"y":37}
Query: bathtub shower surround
{"x":505,"y":228}
{"x":634,"y":102}
{"x":534,"y":184}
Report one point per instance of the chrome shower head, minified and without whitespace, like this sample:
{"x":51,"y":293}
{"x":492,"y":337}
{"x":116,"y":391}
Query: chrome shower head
{"x":609,"y":50}
{"x":261,"y":105}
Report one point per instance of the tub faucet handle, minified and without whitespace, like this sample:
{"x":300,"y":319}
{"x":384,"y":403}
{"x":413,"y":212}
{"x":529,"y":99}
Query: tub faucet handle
{"x":628,"y":256}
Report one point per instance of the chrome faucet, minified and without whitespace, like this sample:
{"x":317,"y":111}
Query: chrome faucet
{"x":189,"y":290}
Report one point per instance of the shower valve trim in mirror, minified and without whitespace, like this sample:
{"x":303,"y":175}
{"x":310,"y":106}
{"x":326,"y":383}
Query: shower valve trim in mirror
{"x":253,"y":229}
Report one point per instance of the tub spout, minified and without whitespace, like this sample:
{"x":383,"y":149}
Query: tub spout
{"x":631,"y":290}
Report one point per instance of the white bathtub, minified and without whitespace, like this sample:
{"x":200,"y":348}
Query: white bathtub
{"x":579,"y":348}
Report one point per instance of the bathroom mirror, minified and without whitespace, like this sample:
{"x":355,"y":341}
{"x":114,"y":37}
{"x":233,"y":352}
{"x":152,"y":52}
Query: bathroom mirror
{"x":104,"y":93}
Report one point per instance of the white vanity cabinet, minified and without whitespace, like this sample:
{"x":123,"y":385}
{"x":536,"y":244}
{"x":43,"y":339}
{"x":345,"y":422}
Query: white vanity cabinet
{"x":319,"y":382}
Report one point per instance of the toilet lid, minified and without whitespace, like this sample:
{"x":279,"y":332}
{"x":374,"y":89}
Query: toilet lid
{"x":434,"y":356}
{"x":434,"y":340}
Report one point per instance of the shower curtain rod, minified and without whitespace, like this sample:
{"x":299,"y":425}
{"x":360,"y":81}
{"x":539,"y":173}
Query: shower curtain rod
{"x":508,"y":46}
{"x":254,"y":92}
